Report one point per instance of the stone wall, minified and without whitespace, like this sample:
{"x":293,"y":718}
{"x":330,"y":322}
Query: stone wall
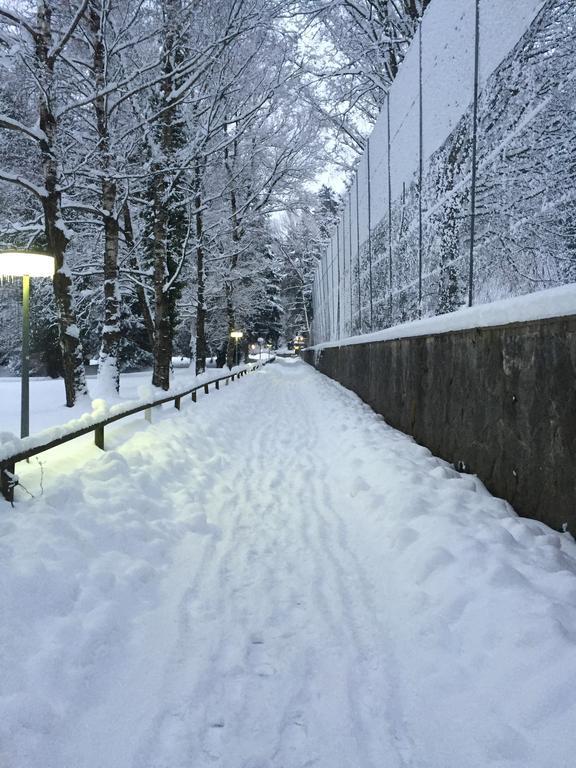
{"x":501,"y":400}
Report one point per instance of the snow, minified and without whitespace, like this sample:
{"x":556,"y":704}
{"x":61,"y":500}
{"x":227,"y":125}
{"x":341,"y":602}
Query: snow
{"x":323,"y":593}
{"x":554,"y":302}
{"x":73,"y":331}
{"x":181,"y":361}
{"x":33,"y":132}
{"x":105,"y":385}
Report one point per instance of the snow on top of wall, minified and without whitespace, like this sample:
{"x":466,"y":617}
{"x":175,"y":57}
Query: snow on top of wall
{"x":554,"y":302}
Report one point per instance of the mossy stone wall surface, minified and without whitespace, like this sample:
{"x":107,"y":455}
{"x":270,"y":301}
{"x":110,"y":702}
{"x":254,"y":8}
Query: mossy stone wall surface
{"x":501,"y":400}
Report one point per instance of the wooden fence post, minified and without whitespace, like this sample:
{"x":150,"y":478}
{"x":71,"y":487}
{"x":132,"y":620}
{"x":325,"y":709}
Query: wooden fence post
{"x":7,"y":480}
{"x":193,"y":395}
{"x":177,"y":403}
{"x":206,"y":390}
{"x":99,"y":436}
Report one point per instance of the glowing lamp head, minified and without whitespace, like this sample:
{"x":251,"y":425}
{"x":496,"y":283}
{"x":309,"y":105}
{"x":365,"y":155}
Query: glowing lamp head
{"x":236,"y":334}
{"x":21,"y":263}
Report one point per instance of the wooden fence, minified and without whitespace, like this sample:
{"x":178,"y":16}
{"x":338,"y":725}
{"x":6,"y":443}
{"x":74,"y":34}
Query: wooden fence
{"x":8,"y":477}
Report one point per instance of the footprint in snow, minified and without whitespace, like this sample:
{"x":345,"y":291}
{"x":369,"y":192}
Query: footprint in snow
{"x":439,"y":559}
{"x":405,"y":538}
{"x":294,"y":748}
{"x":358,"y":486}
{"x":258,"y":658}
{"x":199,"y":524}
{"x":212,"y":739}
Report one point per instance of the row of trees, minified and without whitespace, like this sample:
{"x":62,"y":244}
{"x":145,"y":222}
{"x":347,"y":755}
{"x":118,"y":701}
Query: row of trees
{"x":162,"y":152}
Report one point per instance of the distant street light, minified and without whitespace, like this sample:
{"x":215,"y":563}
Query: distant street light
{"x":236,"y":335}
{"x":298,"y":343}
{"x":261,"y":343}
{"x":25,"y":264}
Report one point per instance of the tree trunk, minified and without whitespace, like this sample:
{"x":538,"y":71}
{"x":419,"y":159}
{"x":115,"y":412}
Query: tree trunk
{"x":108,"y":373}
{"x":137,"y":267}
{"x":200,"y":346}
{"x":163,"y":219}
{"x":231,"y":320}
{"x":162,"y":319}
{"x":55,"y":229}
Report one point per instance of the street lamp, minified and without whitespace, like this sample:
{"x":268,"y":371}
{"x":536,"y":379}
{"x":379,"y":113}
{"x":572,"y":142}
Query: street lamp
{"x":261,"y":343}
{"x":25,"y":265}
{"x":236,"y":335}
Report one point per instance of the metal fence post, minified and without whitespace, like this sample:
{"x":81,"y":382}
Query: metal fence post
{"x":350,"y":253}
{"x":420,"y":168}
{"x":344,"y":275}
{"x":25,"y":364}
{"x":338,"y":317}
{"x":332,"y":292}
{"x":358,"y":255}
{"x":369,"y":232}
{"x":318,"y":305}
{"x":474,"y":154}
{"x":390,"y":267}
{"x":325,"y":302}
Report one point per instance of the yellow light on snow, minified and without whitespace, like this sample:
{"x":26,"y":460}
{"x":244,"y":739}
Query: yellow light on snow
{"x":20,"y":263}
{"x":236,"y":334}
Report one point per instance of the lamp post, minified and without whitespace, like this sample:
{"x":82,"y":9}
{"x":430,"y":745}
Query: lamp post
{"x":261,"y":343}
{"x":236,"y":335}
{"x":25,"y":264}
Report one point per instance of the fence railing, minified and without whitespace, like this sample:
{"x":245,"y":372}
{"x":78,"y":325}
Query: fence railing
{"x":8,"y":477}
{"x":465,"y":191}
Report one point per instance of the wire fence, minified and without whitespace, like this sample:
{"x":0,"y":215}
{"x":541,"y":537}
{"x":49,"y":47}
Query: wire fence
{"x":465,"y":192}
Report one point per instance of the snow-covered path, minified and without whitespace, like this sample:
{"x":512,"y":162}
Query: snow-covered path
{"x":276,"y":579}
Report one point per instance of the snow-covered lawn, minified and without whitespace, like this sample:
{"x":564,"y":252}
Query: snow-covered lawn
{"x":51,"y":420}
{"x":274,"y":578}
{"x":47,"y":397}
